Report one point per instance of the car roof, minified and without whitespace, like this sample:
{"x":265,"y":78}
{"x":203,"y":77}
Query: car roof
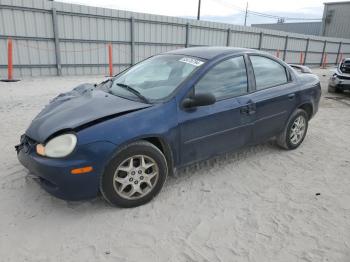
{"x":209,"y":52}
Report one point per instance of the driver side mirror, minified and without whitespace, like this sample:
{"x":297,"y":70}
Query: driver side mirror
{"x":204,"y":99}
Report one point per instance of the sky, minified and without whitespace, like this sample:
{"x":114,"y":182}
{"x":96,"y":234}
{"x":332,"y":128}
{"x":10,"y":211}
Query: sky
{"x":228,"y":11}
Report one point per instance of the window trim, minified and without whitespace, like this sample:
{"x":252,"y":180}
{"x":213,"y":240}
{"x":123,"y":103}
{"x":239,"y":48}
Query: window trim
{"x":192,"y":90}
{"x":288,"y":75}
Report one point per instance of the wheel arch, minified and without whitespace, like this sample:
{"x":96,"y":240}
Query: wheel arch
{"x":163,"y":146}
{"x":308,"y":108}
{"x":155,"y":140}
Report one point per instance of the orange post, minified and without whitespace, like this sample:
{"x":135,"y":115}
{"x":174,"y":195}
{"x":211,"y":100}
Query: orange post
{"x":324,"y":62}
{"x":301,"y":58}
{"x":278,"y":53}
{"x":9,"y":60}
{"x":110,"y":54}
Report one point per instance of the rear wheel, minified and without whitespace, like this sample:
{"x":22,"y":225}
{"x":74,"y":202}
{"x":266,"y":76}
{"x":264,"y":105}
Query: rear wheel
{"x":295,"y":130}
{"x":135,"y":175}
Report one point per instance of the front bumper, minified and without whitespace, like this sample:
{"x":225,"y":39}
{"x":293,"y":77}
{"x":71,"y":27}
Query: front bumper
{"x":340,"y":83}
{"x":54,"y":175}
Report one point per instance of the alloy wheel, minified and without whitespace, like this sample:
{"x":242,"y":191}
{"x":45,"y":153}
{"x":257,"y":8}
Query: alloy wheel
{"x":297,"y":130}
{"x":135,"y":177}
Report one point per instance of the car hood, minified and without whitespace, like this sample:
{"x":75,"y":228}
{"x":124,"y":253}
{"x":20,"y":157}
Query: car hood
{"x":81,"y":106}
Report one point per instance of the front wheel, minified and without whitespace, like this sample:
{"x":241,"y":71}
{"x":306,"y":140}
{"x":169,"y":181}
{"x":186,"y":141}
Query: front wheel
{"x":295,"y":130}
{"x":135,"y":175}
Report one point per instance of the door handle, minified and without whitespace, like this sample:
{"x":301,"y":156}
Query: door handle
{"x":291,"y":96}
{"x":249,"y":109}
{"x":252,"y":109}
{"x":244,"y":110}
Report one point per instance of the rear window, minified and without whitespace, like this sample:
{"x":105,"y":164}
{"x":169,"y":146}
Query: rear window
{"x":267,"y":72}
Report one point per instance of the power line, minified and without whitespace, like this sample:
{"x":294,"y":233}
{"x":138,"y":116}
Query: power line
{"x":263,"y":14}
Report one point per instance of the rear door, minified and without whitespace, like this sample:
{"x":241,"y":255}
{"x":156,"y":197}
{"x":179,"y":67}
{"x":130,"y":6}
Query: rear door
{"x":274,"y":96}
{"x":210,"y":130}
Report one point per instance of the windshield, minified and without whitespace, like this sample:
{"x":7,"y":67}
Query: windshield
{"x":155,"y":78}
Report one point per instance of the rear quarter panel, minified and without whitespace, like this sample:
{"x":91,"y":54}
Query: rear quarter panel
{"x":309,"y":91}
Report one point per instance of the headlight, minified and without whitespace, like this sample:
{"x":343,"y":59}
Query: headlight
{"x":59,"y":146}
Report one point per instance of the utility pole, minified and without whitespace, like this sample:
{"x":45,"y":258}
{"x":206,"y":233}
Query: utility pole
{"x":246,"y":14}
{"x":199,"y":10}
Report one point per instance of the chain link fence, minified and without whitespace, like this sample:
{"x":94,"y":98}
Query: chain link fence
{"x":52,"y":38}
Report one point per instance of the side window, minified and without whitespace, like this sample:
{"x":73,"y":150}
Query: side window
{"x":224,"y":80}
{"x":268,"y":73}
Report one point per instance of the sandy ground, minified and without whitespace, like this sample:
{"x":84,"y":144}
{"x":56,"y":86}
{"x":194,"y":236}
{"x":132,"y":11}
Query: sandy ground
{"x":259,"y":204}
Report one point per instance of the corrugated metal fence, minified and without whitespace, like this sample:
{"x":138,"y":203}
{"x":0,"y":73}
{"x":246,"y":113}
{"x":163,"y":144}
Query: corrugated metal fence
{"x":51,"y":38}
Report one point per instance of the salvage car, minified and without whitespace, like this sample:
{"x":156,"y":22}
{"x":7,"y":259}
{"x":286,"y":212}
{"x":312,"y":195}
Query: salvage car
{"x":340,"y":80}
{"x":124,"y":136}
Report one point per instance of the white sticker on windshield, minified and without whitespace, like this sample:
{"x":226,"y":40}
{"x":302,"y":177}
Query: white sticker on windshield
{"x":191,"y":61}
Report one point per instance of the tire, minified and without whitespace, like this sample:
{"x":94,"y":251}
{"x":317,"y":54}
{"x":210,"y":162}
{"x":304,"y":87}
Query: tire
{"x":128,"y":181}
{"x":331,"y":89}
{"x":286,"y":140}
{"x":338,"y":90}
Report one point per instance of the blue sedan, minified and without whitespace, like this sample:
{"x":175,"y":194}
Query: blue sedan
{"x":124,"y":136}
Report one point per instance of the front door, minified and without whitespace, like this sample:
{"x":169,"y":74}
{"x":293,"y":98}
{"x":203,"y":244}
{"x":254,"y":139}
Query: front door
{"x":210,"y":130}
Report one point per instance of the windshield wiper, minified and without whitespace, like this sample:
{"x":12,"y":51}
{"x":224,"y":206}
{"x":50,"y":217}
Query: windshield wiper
{"x":134,"y":91}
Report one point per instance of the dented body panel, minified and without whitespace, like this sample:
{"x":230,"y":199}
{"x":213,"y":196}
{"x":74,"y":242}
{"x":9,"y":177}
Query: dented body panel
{"x":81,"y":106}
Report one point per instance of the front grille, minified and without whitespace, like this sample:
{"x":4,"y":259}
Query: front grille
{"x":26,"y":143}
{"x":47,"y":183}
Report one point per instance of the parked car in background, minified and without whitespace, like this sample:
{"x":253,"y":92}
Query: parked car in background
{"x":124,"y":136}
{"x":340,"y":80}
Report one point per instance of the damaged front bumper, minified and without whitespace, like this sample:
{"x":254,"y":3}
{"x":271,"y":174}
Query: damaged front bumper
{"x":54,"y":175}
{"x":340,"y":82}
